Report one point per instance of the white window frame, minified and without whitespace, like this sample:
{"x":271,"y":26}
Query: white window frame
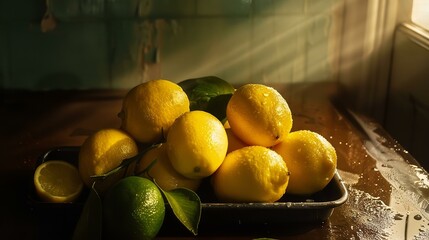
{"x":366,"y":51}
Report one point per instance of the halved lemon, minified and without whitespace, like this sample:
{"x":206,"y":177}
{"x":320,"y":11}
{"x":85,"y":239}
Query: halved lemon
{"x":57,"y":181}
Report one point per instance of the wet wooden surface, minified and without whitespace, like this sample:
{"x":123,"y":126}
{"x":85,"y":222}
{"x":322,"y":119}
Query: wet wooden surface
{"x":388,"y":192}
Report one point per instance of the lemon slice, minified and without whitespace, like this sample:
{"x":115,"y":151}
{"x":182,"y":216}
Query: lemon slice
{"x":57,"y":181}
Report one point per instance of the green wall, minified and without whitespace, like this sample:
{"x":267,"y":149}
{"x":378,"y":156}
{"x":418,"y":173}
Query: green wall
{"x":118,"y":44}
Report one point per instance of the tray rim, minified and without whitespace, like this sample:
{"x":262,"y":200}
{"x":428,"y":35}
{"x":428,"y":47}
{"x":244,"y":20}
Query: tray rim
{"x":296,"y":205}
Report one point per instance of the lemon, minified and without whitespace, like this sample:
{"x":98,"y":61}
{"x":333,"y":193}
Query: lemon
{"x":163,"y":172}
{"x":196,"y":144}
{"x":311,"y":160}
{"x":234,"y":142}
{"x":57,"y":181}
{"x":259,"y":115}
{"x":103,"y":151}
{"x":133,"y":209}
{"x":149,"y":109}
{"x":251,"y":174}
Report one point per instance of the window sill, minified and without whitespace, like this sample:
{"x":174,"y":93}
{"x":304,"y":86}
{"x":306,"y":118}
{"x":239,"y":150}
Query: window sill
{"x":416,"y":34}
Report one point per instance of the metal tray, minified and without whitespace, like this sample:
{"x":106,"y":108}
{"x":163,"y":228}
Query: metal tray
{"x":225,"y":218}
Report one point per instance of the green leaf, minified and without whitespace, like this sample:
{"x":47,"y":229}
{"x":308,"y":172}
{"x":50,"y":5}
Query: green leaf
{"x":186,"y":206}
{"x":217,"y":106}
{"x":209,"y":94}
{"x":90,"y":221}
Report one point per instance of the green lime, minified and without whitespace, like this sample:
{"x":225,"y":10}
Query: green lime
{"x":210,"y":94}
{"x":133,"y":209}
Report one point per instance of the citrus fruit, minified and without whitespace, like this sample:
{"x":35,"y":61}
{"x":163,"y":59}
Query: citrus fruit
{"x":259,"y":115}
{"x":57,"y":181}
{"x":311,"y":160}
{"x":210,"y":94}
{"x":196,"y":144}
{"x":163,"y":172}
{"x":103,"y":151}
{"x":133,"y":209}
{"x":234,"y":142}
{"x":149,"y":109}
{"x":251,"y":174}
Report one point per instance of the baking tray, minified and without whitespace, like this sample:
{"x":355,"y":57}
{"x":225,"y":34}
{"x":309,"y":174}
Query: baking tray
{"x":216,"y":217}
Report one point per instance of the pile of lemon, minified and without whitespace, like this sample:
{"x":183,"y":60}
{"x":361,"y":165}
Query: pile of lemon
{"x":249,"y":153}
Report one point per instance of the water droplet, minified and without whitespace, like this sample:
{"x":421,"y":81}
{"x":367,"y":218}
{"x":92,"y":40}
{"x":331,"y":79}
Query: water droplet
{"x":398,"y":216}
{"x":386,"y":165}
{"x":418,"y":217}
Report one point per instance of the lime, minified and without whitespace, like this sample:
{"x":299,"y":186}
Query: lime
{"x":133,"y":209}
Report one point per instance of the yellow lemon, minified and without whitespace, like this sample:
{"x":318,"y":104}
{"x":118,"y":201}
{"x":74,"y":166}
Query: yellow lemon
{"x":103,"y":151}
{"x":163,"y":172}
{"x":251,"y":174}
{"x":196,"y":144}
{"x":259,"y":115}
{"x":234,"y":142}
{"x":311,"y":160}
{"x":150,"y":108}
{"x":57,"y":181}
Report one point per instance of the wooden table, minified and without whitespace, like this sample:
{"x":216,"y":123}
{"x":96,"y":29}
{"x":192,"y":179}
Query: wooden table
{"x":388,"y":192}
